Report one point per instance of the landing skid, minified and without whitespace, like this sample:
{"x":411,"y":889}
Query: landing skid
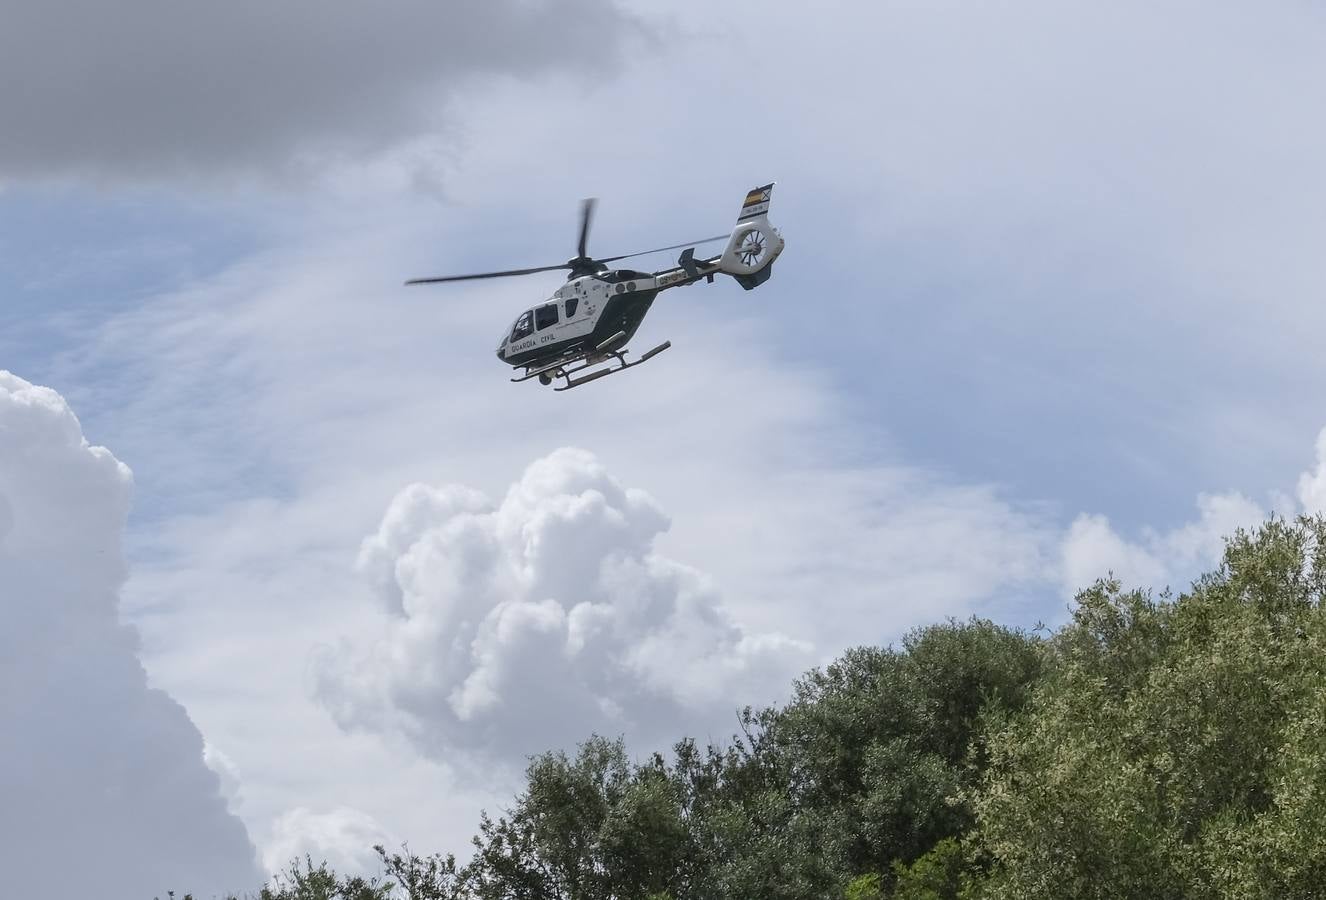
{"x":548,"y":370}
{"x":622,"y":364}
{"x":567,"y":372}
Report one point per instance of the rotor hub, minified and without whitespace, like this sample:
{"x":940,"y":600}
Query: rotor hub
{"x":584,"y":265}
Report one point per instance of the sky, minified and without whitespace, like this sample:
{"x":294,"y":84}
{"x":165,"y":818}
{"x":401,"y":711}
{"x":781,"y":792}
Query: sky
{"x":288,"y":566}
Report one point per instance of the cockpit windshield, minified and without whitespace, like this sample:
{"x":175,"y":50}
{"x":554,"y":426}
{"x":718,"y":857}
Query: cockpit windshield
{"x":524,"y":326}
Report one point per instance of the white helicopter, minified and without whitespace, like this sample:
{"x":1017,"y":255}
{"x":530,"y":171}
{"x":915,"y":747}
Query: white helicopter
{"x":588,"y":320}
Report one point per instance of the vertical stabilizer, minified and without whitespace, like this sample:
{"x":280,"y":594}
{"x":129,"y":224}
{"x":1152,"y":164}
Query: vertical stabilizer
{"x":755,"y":243}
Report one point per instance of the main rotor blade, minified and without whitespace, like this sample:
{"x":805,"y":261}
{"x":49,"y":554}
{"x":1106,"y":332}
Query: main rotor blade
{"x":486,"y":275}
{"x":718,"y":237}
{"x":586,"y":214}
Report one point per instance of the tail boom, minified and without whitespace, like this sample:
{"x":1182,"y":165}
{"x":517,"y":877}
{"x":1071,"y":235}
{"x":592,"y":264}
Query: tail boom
{"x":751,"y":249}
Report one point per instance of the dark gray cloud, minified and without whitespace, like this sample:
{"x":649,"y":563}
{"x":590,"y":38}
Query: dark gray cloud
{"x":103,"y":788}
{"x":144,"y":87}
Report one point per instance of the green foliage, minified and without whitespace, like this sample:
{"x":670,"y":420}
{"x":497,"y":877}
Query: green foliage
{"x":307,"y":882}
{"x":1153,"y":748}
{"x":1174,"y":749}
{"x":586,"y":828}
{"x":938,"y":875}
{"x":880,"y":744}
{"x":864,"y":887}
{"x":865,"y":766}
{"x":304,"y":881}
{"x":423,"y":878}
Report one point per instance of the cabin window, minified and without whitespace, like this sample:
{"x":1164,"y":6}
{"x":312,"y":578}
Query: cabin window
{"x":524,"y":326}
{"x":545,"y":316}
{"x":571,"y":306}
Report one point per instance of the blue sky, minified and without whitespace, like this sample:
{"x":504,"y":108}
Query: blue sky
{"x":1050,"y":306}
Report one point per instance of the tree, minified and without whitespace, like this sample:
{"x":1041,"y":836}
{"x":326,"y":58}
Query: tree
{"x":1174,"y":747}
{"x":307,"y":882}
{"x":938,"y":875}
{"x":424,"y":878}
{"x":865,"y":887}
{"x":304,"y":881}
{"x":1154,"y":747}
{"x":866,"y":766}
{"x":875,"y":750}
{"x":589,"y":828}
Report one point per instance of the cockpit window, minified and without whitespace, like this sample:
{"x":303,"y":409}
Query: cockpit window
{"x":571,"y":305}
{"x":545,"y":316}
{"x":524,"y":326}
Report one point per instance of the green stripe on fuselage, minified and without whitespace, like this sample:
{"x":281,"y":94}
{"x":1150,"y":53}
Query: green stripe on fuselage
{"x":621,"y":312}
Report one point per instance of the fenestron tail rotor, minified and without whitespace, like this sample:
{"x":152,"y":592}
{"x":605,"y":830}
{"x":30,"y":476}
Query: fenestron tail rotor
{"x":751,"y":248}
{"x":583,"y":264}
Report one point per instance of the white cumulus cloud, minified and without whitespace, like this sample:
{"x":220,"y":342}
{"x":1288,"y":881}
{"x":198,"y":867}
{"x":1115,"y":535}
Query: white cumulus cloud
{"x":227,"y":771}
{"x":530,"y":623}
{"x":1312,"y":485}
{"x":343,"y":838}
{"x":1092,"y":548}
{"x":102,"y":778}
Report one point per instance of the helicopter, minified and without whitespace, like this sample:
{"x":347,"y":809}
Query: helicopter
{"x":588,"y":321}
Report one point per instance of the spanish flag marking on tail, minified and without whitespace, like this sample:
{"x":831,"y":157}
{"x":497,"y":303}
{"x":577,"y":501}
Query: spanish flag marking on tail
{"x":756,"y":203}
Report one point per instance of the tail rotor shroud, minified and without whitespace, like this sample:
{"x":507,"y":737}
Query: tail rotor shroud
{"x":754,"y":244}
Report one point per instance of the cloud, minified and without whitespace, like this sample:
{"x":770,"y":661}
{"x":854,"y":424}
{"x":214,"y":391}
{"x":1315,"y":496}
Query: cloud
{"x":141,"y":88}
{"x":343,"y":838}
{"x":837,"y":448}
{"x":102,"y":777}
{"x":529,"y":624}
{"x":1092,"y":548}
{"x":227,"y":771}
{"x":274,"y":411}
{"x":1312,"y":485}
{"x":306,"y":389}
